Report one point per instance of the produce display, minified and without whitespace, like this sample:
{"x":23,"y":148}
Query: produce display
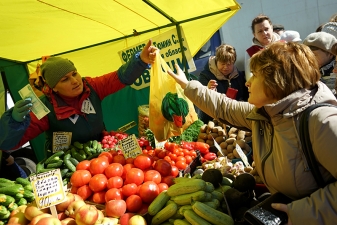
{"x":186,"y":181}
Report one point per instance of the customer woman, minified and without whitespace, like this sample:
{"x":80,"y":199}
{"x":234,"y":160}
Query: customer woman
{"x":74,"y":102}
{"x":221,"y":75}
{"x":285,"y":82}
{"x":262,"y":29}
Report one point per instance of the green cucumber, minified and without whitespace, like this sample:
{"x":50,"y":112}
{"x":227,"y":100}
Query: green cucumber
{"x":23,"y":181}
{"x":6,"y":200}
{"x":56,"y":154}
{"x":69,"y":165}
{"x":12,"y":190}
{"x":22,"y":201}
{"x":4,"y":180}
{"x":55,"y":165}
{"x":28,"y":194}
{"x":12,"y":206}
{"x":74,"y":161}
{"x":78,"y":145}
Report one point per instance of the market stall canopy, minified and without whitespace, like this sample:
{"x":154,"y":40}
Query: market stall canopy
{"x":91,"y":34}
{"x":31,"y":29}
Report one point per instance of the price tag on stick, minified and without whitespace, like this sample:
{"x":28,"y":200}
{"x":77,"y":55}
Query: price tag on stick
{"x":48,"y":189}
{"x":130,"y":146}
{"x":242,"y":155}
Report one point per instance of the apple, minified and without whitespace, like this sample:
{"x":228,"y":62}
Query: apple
{"x":68,"y":221}
{"x":109,"y":221}
{"x":86,"y":215}
{"x":73,"y":207}
{"x":37,"y":218}
{"x":137,"y":220}
{"x":69,"y":198}
{"x":124,"y":219}
{"x":100,"y":217}
{"x":77,"y":197}
{"x":32,"y":211}
{"x":115,"y":208}
{"x":17,"y":216}
{"x":49,"y":220}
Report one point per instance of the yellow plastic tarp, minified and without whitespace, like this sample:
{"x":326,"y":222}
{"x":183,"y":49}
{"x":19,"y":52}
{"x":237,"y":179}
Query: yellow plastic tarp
{"x":91,"y":33}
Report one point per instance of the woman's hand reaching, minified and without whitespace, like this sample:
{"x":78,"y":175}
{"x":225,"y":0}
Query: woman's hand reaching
{"x":148,"y":54}
{"x":282,"y":207}
{"x":212,"y":84}
{"x":180,"y":77}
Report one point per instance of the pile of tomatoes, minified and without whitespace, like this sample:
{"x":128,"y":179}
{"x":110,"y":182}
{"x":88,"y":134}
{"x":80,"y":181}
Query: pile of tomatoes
{"x":110,"y":176}
{"x":174,"y":154}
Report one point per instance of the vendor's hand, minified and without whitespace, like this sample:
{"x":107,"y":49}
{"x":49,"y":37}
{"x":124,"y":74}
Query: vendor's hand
{"x":212,"y":84}
{"x":148,"y":54}
{"x":10,"y":160}
{"x":282,"y":207}
{"x":180,"y":77}
{"x":21,"y":109}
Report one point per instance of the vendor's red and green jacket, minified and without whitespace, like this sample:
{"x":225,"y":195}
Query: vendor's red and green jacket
{"x":14,"y":134}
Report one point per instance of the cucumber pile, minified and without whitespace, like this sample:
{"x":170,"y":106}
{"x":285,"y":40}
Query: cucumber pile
{"x":189,"y":201}
{"x":14,"y":194}
{"x":67,"y":160}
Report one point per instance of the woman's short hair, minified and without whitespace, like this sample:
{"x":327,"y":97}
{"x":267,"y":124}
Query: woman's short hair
{"x":225,"y":53}
{"x":259,"y":19}
{"x":286,"y":68}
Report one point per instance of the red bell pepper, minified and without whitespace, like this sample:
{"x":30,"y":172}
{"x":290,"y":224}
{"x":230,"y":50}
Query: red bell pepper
{"x":210,"y":156}
{"x":202,"y":147}
{"x":187,"y":145}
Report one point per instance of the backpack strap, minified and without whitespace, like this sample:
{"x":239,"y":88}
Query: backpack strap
{"x":306,"y":143}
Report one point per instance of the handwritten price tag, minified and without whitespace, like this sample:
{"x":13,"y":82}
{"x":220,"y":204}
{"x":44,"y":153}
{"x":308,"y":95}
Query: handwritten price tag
{"x":48,"y":188}
{"x":130,"y":146}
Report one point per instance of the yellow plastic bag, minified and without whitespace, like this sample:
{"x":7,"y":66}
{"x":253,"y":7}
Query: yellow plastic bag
{"x":170,"y":111}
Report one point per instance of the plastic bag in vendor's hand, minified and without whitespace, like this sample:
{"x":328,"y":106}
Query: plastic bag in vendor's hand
{"x":170,"y":111}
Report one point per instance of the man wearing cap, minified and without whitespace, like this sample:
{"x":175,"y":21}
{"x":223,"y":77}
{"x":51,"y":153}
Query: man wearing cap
{"x":74,"y":102}
{"x":324,"y":47}
{"x":278,"y":28}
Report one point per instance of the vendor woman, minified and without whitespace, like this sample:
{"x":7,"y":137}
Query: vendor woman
{"x":74,"y":102}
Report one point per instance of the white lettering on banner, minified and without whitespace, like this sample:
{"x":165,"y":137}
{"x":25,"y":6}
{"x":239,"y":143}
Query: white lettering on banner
{"x":170,"y":51}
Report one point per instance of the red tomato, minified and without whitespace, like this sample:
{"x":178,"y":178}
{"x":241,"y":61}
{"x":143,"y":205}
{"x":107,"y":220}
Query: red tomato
{"x":73,"y":189}
{"x":98,"y":165}
{"x":134,"y":203}
{"x":167,"y":158}
{"x":142,"y":162}
{"x":115,"y":182}
{"x":126,"y":168}
{"x":99,"y":197}
{"x":108,"y":155}
{"x":143,"y":209}
{"x":119,"y":159}
{"x":168,"y":180}
{"x":129,"y":189}
{"x":181,"y":165}
{"x":180,"y":158}
{"x":148,"y":191}
{"x":84,"y":191}
{"x":98,"y":182}
{"x":80,"y":178}
{"x":113,"y":170}
{"x":113,"y":153}
{"x":83,"y":165}
{"x":152,"y":175}
{"x":188,"y":159}
{"x":113,"y":194}
{"x":163,"y":167}
{"x":134,"y":175}
{"x":162,"y":187}
{"x":174,"y":171}
{"x":129,"y":160}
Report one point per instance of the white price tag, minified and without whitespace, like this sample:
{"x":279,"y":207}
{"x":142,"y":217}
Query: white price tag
{"x":130,"y":146}
{"x":48,"y":188}
{"x":242,"y":155}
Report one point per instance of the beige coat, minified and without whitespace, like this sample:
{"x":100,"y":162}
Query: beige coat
{"x":277,"y":149}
